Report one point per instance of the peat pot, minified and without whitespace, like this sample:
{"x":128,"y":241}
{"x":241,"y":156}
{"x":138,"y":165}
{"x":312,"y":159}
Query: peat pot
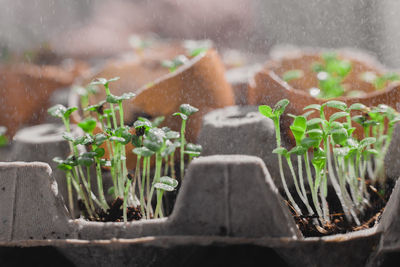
{"x":228,"y":212}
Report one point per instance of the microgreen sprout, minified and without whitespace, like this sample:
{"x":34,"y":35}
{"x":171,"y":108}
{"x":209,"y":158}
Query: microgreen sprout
{"x":3,"y":137}
{"x":172,"y":65}
{"x":330,"y":147}
{"x":379,"y":81}
{"x":104,"y":129}
{"x":292,"y":75}
{"x":186,"y":110}
{"x":196,"y":47}
{"x":331,"y":74}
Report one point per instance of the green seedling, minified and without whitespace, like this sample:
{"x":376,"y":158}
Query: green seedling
{"x":331,"y":149}
{"x":85,"y":93}
{"x":197,"y":47}
{"x":379,"y":81}
{"x":186,"y":110}
{"x":149,"y":141}
{"x":172,"y":65}
{"x":292,"y":75}
{"x":3,"y":137}
{"x":274,"y":114}
{"x":331,"y":74}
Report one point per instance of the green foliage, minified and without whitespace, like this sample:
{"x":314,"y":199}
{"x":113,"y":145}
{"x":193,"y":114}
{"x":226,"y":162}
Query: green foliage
{"x":335,"y":152}
{"x":292,"y":75}
{"x":151,"y":144}
{"x":3,"y":137}
{"x":173,"y":64}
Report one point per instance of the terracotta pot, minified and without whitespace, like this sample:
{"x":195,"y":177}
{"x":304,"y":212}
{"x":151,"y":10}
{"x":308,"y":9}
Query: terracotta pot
{"x":268,"y":87}
{"x":200,"y":83}
{"x":25,"y":90}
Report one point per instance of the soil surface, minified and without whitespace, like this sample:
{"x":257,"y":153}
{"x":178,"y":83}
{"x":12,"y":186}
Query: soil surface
{"x":115,"y":212}
{"x":339,"y":224}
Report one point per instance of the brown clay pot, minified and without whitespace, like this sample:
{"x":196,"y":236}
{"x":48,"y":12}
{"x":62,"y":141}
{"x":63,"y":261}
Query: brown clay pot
{"x":200,"y":83}
{"x":134,"y":73}
{"x":268,"y":87}
{"x":25,"y":90}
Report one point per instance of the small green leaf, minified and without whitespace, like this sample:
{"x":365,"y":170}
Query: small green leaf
{"x":157,"y":121}
{"x":69,"y":111}
{"x":172,"y":135}
{"x":99,"y":152}
{"x":336,"y":125}
{"x":280,"y":107}
{"x":194,"y":147}
{"x":143,"y":151}
{"x":85,"y":161}
{"x":310,"y":142}
{"x":298,"y":128}
{"x":68,"y":136}
{"x":136,"y":141}
{"x":298,"y":150}
{"x":188,"y":109}
{"x":57,"y":111}
{"x":292,"y":75}
{"x":168,"y":181}
{"x":336,"y":104}
{"x":367,"y":141}
{"x":127,"y":96}
{"x":395,"y":120}
{"x":163,"y":187}
{"x":84,"y":140}
{"x":152,"y":145}
{"x":315,"y":133}
{"x":308,"y":113}
{"x":112,"y":99}
{"x":371,"y":152}
{"x":64,"y":167}
{"x":360,"y":119}
{"x":99,"y":139}
{"x":339,"y":136}
{"x":103,"y":81}
{"x":111,"y":191}
{"x":117,"y":139}
{"x":314,"y":121}
{"x":280,"y":150}
{"x":88,"y":125}
{"x":341,"y":151}
{"x":357,"y":106}
{"x":337,"y":115}
{"x":313,"y":106}
{"x":97,"y":107}
{"x":266,"y":111}
{"x":183,"y":116}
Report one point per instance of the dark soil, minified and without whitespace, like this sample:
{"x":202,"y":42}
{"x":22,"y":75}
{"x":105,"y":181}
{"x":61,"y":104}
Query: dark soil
{"x":339,"y":224}
{"x":115,"y":213}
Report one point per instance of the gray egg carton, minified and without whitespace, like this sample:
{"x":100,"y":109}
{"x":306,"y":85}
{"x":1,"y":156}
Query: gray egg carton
{"x":228,"y":212}
{"x":225,"y":201}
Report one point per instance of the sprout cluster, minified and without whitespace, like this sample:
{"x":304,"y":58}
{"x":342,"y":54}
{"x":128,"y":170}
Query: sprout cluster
{"x":328,"y":150}
{"x":331,"y":73}
{"x":107,"y":132}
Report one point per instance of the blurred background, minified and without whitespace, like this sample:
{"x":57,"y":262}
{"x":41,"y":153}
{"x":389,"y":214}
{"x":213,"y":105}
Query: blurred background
{"x":102,"y":27}
{"x":73,"y":36}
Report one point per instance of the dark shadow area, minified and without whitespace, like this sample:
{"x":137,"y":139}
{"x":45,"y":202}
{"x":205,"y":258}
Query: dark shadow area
{"x":232,"y":255}
{"x":35,"y":256}
{"x":389,"y":259}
